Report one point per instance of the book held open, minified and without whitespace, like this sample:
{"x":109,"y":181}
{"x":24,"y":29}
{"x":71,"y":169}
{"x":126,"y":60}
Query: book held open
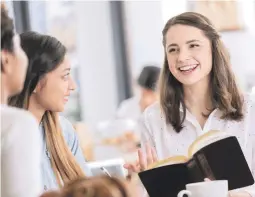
{"x":214,"y":155}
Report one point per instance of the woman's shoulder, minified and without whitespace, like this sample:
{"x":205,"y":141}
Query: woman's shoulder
{"x":19,"y":126}
{"x":249,"y":102}
{"x":14,"y":117}
{"x":13,"y":113}
{"x":249,"y":105}
{"x":153,"y":115}
{"x":249,"y":113}
{"x":64,"y":122}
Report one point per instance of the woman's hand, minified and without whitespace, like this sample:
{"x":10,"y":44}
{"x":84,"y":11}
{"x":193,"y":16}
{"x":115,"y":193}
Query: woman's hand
{"x":239,"y":194}
{"x":144,"y":160}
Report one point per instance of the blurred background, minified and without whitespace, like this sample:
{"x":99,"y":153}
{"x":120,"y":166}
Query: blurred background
{"x":109,"y":42}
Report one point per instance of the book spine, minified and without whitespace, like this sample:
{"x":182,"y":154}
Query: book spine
{"x":195,"y":172}
{"x":204,"y":166}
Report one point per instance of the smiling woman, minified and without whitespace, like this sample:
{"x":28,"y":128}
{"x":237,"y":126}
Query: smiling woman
{"x":185,"y":54}
{"x":47,"y":87}
{"x":198,"y":48}
{"x":198,"y":93}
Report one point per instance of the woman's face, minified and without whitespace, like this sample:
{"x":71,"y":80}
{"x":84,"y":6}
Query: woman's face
{"x":188,"y":53}
{"x":53,"y":91}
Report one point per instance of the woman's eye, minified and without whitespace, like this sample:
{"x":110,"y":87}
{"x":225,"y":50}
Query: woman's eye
{"x":194,"y":45}
{"x":66,"y":77}
{"x":171,"y":50}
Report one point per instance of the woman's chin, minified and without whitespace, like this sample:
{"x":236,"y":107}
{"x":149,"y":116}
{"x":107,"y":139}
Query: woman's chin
{"x":189,"y":82}
{"x":58,"y":109}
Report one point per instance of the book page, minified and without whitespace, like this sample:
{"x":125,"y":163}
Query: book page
{"x":206,"y":139}
{"x":200,"y":142}
{"x":169,"y":161}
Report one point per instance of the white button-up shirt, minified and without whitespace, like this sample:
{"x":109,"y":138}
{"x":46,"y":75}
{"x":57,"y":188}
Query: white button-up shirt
{"x":168,"y":143}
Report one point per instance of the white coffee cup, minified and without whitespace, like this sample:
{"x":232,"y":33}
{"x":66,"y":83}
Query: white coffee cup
{"x":206,"y":189}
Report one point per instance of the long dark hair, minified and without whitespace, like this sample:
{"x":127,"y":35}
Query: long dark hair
{"x":225,"y":93}
{"x":45,"y":53}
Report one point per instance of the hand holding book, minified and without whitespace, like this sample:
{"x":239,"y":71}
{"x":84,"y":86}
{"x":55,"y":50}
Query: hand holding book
{"x":145,"y":159}
{"x":214,"y":155}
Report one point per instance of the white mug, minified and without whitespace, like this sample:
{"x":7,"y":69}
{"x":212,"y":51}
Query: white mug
{"x":206,"y":189}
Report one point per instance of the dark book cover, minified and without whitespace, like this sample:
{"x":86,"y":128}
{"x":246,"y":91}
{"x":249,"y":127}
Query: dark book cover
{"x":221,"y":160}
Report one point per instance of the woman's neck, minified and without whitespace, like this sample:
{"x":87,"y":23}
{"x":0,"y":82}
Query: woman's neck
{"x":36,"y":109}
{"x":197,"y":97}
{"x":4,"y":91}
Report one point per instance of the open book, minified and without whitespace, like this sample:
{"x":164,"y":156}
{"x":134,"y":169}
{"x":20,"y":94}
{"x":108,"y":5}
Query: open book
{"x":214,"y":155}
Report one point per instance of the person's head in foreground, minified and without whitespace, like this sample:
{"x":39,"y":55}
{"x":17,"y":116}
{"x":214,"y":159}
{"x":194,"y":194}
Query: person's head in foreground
{"x":102,"y":186}
{"x":196,"y":59}
{"x":13,"y":59}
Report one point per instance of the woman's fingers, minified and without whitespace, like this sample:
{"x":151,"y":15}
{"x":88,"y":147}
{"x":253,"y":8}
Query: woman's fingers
{"x":132,"y":168}
{"x":154,"y":155}
{"x":149,"y":156}
{"x":142,"y":160}
{"x":127,"y":166}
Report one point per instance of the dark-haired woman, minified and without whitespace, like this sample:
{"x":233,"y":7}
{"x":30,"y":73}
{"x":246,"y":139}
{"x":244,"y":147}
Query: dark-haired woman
{"x":47,"y":88}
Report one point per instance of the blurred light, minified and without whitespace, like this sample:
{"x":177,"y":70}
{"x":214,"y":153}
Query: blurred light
{"x":253,"y":90}
{"x":172,"y":8}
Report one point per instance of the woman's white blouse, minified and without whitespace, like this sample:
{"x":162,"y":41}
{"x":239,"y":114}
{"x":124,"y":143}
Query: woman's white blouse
{"x":20,"y":153}
{"x":167,"y":142}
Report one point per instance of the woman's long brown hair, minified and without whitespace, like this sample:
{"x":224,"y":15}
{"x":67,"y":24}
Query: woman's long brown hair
{"x":45,"y":53}
{"x":225,"y":93}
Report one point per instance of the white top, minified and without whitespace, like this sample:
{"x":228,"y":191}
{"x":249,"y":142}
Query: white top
{"x":167,"y":142}
{"x":20,"y":154}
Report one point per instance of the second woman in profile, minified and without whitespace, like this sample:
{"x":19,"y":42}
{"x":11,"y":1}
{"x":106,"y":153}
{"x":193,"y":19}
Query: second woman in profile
{"x":47,"y":88}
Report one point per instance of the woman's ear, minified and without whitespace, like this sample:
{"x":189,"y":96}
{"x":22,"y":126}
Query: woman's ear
{"x":40,"y":85}
{"x":4,"y":62}
{"x":36,"y":88}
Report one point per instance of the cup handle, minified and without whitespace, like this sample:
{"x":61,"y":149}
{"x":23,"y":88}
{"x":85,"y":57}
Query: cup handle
{"x":181,"y":193}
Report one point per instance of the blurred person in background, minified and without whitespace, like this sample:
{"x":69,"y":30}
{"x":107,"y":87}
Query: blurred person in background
{"x":20,"y":137}
{"x":47,"y":87}
{"x":147,"y":81}
{"x":103,"y":186}
{"x":131,"y":109}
